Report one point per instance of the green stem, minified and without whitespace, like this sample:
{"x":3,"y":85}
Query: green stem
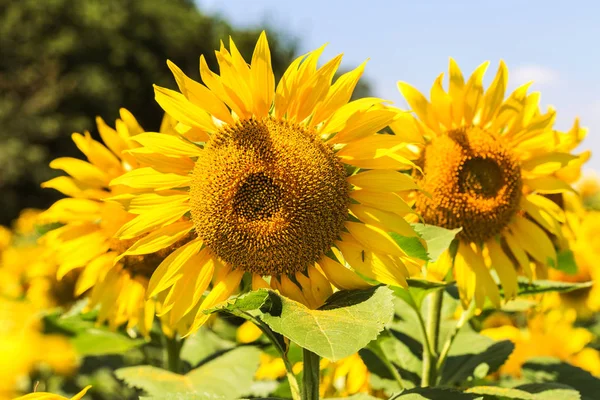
{"x":310,"y":377}
{"x":434,"y":313}
{"x":173,"y":347}
{"x":294,"y":387}
{"x":464,"y":317}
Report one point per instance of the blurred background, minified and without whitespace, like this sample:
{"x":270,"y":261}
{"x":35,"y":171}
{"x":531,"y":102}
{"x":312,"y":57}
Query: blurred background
{"x":64,"y":62}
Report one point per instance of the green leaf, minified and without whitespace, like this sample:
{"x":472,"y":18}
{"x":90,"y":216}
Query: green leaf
{"x":549,"y":392}
{"x":98,"y":341}
{"x":566,"y":262}
{"x":345,"y":324}
{"x":358,"y":396}
{"x":546,"y":369}
{"x":438,"y":239}
{"x":527,"y":392}
{"x":542,"y":286}
{"x":88,"y":338}
{"x":211,"y":380}
{"x":474,"y":356}
{"x":412,"y":246}
{"x":202,"y":344}
{"x":248,"y":302}
{"x":435,"y":394}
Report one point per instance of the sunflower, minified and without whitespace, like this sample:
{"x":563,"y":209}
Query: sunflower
{"x":25,"y":349}
{"x":85,"y":243}
{"x":486,"y":162}
{"x":582,"y":235}
{"x":267,"y":180}
{"x":51,"y":396}
{"x":549,"y":334}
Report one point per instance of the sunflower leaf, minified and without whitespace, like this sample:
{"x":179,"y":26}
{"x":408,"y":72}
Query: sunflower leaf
{"x":345,"y":324}
{"x":435,"y":393}
{"x":527,"y":392}
{"x":527,"y":287}
{"x":438,"y":239}
{"x":212,"y":380}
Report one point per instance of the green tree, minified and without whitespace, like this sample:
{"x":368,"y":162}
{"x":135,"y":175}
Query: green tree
{"x":66,"y":61}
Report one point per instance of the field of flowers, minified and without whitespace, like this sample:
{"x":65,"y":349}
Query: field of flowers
{"x":278,"y":239}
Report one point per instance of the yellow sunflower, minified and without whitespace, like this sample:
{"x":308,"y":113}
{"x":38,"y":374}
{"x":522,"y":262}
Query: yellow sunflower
{"x":85,"y":242}
{"x":582,"y":235}
{"x":486,"y":163}
{"x":264,"y":180}
{"x":51,"y":396}
{"x":549,"y":334}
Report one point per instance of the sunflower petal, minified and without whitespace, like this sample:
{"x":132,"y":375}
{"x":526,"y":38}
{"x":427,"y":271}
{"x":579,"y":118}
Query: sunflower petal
{"x":383,"y":181}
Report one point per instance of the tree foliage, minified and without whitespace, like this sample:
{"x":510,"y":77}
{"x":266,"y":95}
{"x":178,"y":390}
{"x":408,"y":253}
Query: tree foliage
{"x":66,"y":61}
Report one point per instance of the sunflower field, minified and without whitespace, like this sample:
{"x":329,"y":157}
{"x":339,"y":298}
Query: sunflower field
{"x":279,"y":236}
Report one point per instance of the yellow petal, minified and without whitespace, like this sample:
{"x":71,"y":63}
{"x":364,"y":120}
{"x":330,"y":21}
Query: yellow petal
{"x":262,"y":78}
{"x":547,"y":163}
{"x":111,"y":138}
{"x":467,"y":256}
{"x":168,"y":272}
{"x":518,"y":253}
{"x":213,"y":81}
{"x":365,"y":123}
{"x":441,"y":103}
{"x":343,"y":278}
{"x":504,"y":267}
{"x":534,"y":240}
{"x":474,"y":93}
{"x":419,"y":105}
{"x":495,"y":94}
{"x":219,"y":293}
{"x":187,"y":292}
{"x":81,"y":171}
{"x":373,"y":265}
{"x":149,"y":178}
{"x":456,"y":90}
{"x":168,"y":145}
{"x":548,"y":205}
{"x":547,"y":184}
{"x":92,"y":273}
{"x":160,"y":239}
{"x":341,"y":117}
{"x":98,"y":155}
{"x":384,"y":220}
{"x":180,"y":108}
{"x":160,"y":162}
{"x":152,"y":220}
{"x":406,"y":127}
{"x":437,"y":270}
{"x":383,"y":200}
{"x":258,"y":282}
{"x":540,"y":215}
{"x":74,"y":188}
{"x":200,"y":95}
{"x":374,"y":238}
{"x":338,"y":95}
{"x":383,"y":181}
{"x":146,"y":202}
{"x":374,"y":147}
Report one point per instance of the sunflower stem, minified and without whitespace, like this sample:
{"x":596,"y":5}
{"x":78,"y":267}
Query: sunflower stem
{"x":434,"y":313}
{"x":464,"y":317}
{"x":293,"y":382}
{"x":173,"y":348}
{"x":310,"y":377}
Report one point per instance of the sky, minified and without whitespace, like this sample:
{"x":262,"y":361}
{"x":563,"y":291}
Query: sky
{"x":553,"y":43}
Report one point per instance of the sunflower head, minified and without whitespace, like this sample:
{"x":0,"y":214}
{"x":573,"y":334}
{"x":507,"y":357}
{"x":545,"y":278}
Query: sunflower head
{"x":269,"y":179}
{"x":268,"y":196}
{"x":486,"y":163}
{"x":474,"y":180}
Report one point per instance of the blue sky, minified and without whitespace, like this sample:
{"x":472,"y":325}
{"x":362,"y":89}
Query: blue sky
{"x":553,"y":43}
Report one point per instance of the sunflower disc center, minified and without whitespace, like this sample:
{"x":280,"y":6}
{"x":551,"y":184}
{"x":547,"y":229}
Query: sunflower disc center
{"x":268,"y":196}
{"x":474,"y":180}
{"x":258,"y":198}
{"x":481,"y":177}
